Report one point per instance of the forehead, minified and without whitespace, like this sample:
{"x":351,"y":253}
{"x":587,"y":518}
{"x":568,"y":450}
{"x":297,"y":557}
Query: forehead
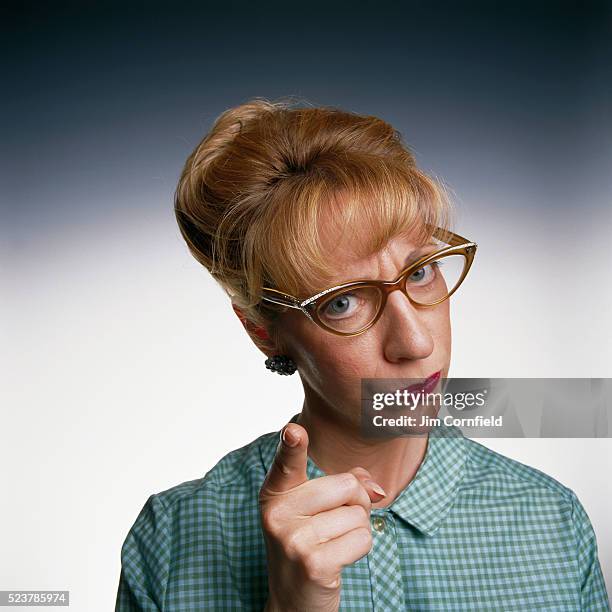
{"x":352,"y":253}
{"x":347,"y":223}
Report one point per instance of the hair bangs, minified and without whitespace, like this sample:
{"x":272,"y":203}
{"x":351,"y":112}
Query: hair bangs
{"x":355,"y":207}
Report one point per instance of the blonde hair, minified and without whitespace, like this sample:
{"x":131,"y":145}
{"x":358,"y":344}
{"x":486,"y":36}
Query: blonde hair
{"x":253,"y":194}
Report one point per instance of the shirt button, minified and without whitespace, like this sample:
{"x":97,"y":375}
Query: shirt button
{"x":378,"y":523}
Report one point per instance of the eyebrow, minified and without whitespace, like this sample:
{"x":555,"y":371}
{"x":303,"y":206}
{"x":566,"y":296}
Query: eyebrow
{"x":420,"y":252}
{"x":413,"y":256}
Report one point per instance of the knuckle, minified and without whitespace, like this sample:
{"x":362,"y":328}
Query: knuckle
{"x":361,"y":470}
{"x":314,"y":567}
{"x":363,"y":516}
{"x":281,"y":466}
{"x":271,"y":519}
{"x":364,"y":498}
{"x":364,"y":537}
{"x":349,"y":481}
{"x":293,"y":545}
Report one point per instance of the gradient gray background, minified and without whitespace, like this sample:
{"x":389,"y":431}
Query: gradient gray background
{"x":117,"y":372}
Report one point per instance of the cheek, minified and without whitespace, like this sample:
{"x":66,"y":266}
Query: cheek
{"x":440,"y":326}
{"x":326,"y":361}
{"x":334,"y":366}
{"x":326,"y":358}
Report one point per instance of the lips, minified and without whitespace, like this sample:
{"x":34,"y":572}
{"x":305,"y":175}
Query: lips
{"x":427,"y":385}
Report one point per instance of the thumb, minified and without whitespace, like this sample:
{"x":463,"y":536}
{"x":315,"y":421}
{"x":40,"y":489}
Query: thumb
{"x":288,"y":469}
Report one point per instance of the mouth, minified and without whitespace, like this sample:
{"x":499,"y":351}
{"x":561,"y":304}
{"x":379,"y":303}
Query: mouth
{"x":425,"y":386}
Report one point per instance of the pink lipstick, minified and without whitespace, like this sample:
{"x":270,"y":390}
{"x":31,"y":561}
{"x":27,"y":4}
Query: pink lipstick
{"x":427,"y":385}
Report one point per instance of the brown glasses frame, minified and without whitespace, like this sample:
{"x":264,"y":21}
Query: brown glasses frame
{"x":456,"y":245}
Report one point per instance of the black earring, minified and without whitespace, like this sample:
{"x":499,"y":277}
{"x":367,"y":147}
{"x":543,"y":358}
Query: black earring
{"x":281,"y":364}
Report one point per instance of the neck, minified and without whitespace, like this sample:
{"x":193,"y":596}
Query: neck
{"x":336,"y":446}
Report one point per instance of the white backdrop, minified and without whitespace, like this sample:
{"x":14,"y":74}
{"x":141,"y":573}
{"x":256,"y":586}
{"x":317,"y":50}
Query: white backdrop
{"x":127,"y":373}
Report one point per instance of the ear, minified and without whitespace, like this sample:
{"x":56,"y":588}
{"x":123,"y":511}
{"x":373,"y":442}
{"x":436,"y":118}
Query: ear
{"x":258,"y":334}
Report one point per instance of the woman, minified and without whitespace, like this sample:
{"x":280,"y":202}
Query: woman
{"x":285,"y":206}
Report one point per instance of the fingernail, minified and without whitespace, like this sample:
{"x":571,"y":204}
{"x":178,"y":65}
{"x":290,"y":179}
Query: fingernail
{"x":289,"y":439}
{"x":376,"y":488}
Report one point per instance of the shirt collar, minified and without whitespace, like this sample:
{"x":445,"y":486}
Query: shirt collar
{"x":428,"y":497}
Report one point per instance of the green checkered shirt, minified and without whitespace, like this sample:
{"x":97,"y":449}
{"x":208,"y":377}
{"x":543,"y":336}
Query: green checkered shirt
{"x":474,"y":530}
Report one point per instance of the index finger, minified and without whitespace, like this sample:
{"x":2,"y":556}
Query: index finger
{"x":288,"y":469}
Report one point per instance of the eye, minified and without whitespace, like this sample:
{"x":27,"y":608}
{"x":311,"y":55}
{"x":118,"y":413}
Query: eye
{"x":425,"y":274}
{"x":340,"y":306}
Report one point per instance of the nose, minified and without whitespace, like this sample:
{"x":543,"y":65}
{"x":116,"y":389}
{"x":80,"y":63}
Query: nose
{"x":405,"y":333}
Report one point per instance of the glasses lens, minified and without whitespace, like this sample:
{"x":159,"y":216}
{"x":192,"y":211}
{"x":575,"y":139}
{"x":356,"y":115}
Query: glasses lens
{"x":436,"y":279}
{"x":351,"y":310}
